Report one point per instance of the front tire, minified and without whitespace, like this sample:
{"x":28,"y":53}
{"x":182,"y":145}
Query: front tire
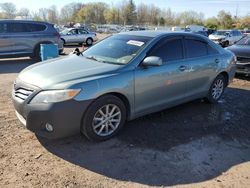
{"x":216,"y":89}
{"x":104,"y":118}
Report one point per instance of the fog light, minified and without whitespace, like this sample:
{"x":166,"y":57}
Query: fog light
{"x":49,"y":127}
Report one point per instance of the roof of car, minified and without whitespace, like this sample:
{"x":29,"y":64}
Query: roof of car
{"x":153,"y":33}
{"x":23,"y":21}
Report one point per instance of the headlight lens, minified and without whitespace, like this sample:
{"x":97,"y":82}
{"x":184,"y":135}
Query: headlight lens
{"x":53,"y":96}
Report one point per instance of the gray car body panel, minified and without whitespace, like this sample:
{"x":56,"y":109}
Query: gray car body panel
{"x":147,"y":89}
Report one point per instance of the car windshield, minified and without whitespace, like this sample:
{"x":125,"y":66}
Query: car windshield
{"x":225,"y":33}
{"x":65,"y":31}
{"x":117,"y":49}
{"x":244,"y":41}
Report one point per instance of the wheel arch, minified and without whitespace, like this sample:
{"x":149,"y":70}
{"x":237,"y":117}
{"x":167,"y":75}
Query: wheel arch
{"x":226,"y":76}
{"x":122,"y":97}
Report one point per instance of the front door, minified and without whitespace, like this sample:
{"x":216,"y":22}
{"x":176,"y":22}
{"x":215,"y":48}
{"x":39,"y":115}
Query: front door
{"x":6,"y":42}
{"x":158,"y":86}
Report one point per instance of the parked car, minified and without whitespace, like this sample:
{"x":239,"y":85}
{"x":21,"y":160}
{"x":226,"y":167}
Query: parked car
{"x":204,"y":33}
{"x":195,"y":28}
{"x":19,"y":38}
{"x":123,"y":77}
{"x":226,"y":38}
{"x":80,"y":36}
{"x":242,"y":51}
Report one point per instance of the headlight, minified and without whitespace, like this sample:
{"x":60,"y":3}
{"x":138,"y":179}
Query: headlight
{"x":53,"y":96}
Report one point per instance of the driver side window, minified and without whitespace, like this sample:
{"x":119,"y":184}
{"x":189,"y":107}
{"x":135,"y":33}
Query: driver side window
{"x":168,"y":50}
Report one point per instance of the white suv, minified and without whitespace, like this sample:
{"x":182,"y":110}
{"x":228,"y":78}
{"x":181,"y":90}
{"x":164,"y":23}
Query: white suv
{"x":226,"y":38}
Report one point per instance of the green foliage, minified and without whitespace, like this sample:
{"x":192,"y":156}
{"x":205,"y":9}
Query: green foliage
{"x":225,"y":20}
{"x":212,"y":23}
{"x":92,"y":13}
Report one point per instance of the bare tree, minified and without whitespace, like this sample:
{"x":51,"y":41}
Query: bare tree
{"x":9,"y":10}
{"x":24,"y":12}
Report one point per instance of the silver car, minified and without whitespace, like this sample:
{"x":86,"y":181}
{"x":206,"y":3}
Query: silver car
{"x":77,"y":35}
{"x":123,"y":77}
{"x":20,"y":38}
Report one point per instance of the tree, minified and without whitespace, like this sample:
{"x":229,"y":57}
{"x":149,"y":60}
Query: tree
{"x":142,"y":14}
{"x":162,"y":21}
{"x":92,"y":13}
{"x":191,"y":17}
{"x":52,"y":14}
{"x":9,"y":10}
{"x":69,"y":12}
{"x":24,"y":12}
{"x":129,"y":12}
{"x":225,"y":19}
{"x":212,"y":23}
{"x":169,"y":17}
{"x":153,"y":15}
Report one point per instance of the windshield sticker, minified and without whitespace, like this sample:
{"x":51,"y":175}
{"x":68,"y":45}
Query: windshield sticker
{"x":135,"y":42}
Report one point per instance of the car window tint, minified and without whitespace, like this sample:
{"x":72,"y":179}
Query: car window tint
{"x":195,"y":48}
{"x":81,"y":31}
{"x":16,"y":28}
{"x":3,"y":27}
{"x":35,"y":27}
{"x":73,"y":32}
{"x":168,"y":50}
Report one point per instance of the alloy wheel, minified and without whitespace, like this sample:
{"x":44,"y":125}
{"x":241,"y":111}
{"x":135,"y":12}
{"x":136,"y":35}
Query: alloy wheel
{"x":106,"y":120}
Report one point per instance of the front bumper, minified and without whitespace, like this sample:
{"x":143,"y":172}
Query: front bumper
{"x":243,"y":66}
{"x":65,"y":117}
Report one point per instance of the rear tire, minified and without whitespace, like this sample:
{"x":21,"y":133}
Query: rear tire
{"x":216,"y":89}
{"x":104,"y":118}
{"x":89,"y":41}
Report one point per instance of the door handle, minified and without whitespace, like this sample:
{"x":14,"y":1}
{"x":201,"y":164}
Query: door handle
{"x":216,"y":60}
{"x":182,"y":68}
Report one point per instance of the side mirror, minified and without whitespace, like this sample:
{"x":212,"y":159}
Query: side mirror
{"x":152,"y":61}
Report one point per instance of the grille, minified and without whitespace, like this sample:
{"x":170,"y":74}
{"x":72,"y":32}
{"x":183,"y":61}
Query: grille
{"x":243,"y":59}
{"x":22,"y":93}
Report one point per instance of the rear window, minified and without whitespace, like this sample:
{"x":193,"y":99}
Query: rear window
{"x":35,"y":27}
{"x":197,"y":48}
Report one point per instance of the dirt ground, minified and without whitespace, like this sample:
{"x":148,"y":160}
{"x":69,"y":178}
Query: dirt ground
{"x":192,"y":145}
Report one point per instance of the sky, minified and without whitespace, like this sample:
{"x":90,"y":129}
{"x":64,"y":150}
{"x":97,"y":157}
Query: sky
{"x":208,"y":7}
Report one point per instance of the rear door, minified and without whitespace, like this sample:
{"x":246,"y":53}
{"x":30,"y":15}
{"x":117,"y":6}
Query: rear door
{"x":202,"y":62}
{"x":157,"y":86}
{"x":6,"y":41}
{"x":82,"y":35}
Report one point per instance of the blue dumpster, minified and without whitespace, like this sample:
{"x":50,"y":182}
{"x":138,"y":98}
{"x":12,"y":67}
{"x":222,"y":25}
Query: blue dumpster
{"x":48,"y":51}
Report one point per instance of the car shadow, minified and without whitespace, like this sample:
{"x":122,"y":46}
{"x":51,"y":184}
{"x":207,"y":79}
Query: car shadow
{"x":190,"y":143}
{"x":242,"y":77}
{"x":15,"y":65}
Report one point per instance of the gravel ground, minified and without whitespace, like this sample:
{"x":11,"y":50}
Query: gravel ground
{"x":192,"y":145}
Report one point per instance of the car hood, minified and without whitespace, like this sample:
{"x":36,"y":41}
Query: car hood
{"x":57,"y":71}
{"x":213,"y":37}
{"x":240,"y":50}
